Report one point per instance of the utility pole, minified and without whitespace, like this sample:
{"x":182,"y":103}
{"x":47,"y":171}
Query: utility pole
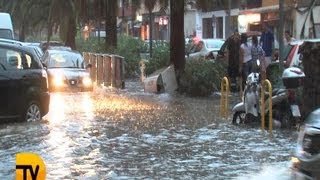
{"x":228,"y":20}
{"x":281,"y":27}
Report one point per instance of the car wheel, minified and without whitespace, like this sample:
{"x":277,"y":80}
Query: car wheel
{"x":238,"y":117}
{"x":32,"y":112}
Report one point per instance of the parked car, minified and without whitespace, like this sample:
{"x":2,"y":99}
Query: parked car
{"x":67,"y":70}
{"x":306,"y":159}
{"x":34,"y":46}
{"x":24,"y":89}
{"x":6,"y":28}
{"x":205,"y":48}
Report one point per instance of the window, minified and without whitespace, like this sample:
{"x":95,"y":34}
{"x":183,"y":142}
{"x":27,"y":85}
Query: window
{"x":13,"y":59}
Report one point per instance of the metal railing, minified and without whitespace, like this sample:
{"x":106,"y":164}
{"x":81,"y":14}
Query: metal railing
{"x":107,"y":69}
{"x":224,"y":100}
{"x":262,"y":107}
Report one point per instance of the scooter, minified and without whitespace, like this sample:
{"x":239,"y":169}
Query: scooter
{"x":285,"y":111}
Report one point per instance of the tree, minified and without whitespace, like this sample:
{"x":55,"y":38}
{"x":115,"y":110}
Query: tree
{"x":26,"y":14}
{"x":111,"y":24}
{"x":150,"y":4}
{"x":63,"y":15}
{"x":177,"y":48}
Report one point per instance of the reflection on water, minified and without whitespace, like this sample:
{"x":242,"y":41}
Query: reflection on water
{"x":123,"y":134}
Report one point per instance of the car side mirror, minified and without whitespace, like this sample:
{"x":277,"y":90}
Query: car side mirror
{"x":44,"y":65}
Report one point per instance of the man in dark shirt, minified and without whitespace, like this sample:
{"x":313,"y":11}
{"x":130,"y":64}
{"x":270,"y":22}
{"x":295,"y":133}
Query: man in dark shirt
{"x":267,"y":43}
{"x":233,"y":47}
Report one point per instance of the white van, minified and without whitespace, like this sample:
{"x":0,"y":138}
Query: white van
{"x":6,"y":28}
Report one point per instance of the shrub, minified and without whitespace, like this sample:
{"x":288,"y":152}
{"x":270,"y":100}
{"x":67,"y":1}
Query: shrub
{"x":160,"y":58}
{"x":201,"y":77}
{"x":129,"y":48}
{"x":90,"y":45}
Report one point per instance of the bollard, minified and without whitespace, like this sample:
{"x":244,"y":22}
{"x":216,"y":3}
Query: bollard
{"x":100,"y":73}
{"x":262,"y":107}
{"x":93,"y":62}
{"x":117,"y":71}
{"x":224,"y":100}
{"x":107,"y":70}
{"x":86,"y":57}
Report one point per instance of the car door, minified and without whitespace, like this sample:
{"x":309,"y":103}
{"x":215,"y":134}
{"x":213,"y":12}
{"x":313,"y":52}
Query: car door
{"x":24,"y":76}
{"x":4,"y":84}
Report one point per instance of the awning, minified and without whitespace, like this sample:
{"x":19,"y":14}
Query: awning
{"x":266,"y":9}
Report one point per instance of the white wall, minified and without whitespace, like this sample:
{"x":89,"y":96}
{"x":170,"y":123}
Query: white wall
{"x":190,"y":22}
{"x":299,"y":20}
{"x":221,"y":13}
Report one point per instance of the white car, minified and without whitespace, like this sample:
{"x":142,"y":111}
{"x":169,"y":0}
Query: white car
{"x":205,"y":48}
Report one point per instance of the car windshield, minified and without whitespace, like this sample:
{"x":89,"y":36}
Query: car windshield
{"x":214,"y":44}
{"x":66,"y":60}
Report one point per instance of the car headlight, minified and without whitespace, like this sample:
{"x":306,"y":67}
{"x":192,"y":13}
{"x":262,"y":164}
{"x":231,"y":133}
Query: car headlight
{"x":87,"y":81}
{"x":58,"y":81}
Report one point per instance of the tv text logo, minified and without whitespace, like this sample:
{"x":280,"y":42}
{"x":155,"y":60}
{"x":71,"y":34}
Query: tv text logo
{"x":30,"y":166}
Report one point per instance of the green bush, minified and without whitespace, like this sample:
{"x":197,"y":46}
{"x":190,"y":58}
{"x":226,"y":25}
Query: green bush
{"x":90,"y":45}
{"x":160,"y":58}
{"x":129,"y":48}
{"x":201,"y":77}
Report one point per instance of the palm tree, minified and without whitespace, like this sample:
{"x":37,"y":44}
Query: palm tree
{"x":111,"y":8}
{"x":26,"y":14}
{"x":63,"y":15}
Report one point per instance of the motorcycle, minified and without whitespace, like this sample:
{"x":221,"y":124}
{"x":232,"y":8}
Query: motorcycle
{"x":285,"y":109}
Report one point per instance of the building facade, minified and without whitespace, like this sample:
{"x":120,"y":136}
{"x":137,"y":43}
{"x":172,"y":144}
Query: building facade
{"x":301,"y":18}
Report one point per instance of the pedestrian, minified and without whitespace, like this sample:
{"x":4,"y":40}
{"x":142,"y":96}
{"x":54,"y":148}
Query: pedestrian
{"x":245,"y":67}
{"x":232,"y":44}
{"x":267,"y":43}
{"x":257,"y":53}
{"x":288,"y":38}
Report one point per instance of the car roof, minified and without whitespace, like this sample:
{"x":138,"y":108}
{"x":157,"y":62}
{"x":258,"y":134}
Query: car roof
{"x":10,"y":41}
{"x":63,"y":51}
{"x":17,"y":46}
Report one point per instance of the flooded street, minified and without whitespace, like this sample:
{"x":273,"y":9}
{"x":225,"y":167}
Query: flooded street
{"x":129,"y":134}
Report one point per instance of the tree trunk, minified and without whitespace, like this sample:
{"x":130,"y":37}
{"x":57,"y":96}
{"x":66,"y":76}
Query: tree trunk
{"x":111,"y":24}
{"x":71,"y":33}
{"x":22,"y":32}
{"x":150,"y":32}
{"x":177,"y":48}
{"x":311,"y":84}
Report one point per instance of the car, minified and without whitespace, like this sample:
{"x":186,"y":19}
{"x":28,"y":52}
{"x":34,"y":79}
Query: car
{"x":6,"y":28}
{"x":34,"y":46}
{"x":67,"y":70}
{"x":205,"y":48}
{"x":306,"y":159}
{"x":23,"y":84}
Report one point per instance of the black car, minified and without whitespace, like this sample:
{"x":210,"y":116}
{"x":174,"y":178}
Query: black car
{"x":23,"y":84}
{"x":67,"y":70}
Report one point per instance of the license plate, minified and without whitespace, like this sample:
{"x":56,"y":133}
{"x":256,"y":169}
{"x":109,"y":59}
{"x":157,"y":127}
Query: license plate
{"x":295,"y":111}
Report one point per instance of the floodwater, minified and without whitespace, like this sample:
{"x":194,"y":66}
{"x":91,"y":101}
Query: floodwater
{"x":129,"y":134}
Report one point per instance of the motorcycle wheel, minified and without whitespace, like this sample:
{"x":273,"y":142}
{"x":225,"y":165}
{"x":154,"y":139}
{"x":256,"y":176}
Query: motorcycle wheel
{"x":238,"y":117}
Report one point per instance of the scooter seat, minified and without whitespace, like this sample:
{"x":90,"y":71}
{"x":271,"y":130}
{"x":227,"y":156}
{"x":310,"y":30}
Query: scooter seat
{"x":276,"y":91}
